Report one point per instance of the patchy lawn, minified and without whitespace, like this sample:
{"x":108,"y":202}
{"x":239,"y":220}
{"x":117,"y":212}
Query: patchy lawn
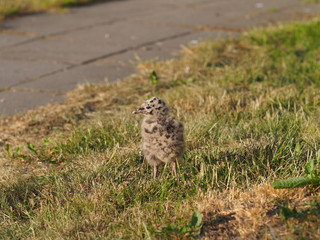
{"x":251,"y":110}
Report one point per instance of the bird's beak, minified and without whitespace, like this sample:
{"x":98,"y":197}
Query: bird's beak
{"x":139,"y":111}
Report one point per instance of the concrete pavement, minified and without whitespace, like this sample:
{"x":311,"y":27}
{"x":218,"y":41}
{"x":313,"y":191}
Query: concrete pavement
{"x":44,"y":55}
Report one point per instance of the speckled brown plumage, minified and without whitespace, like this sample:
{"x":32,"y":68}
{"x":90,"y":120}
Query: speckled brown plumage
{"x":162,"y":135}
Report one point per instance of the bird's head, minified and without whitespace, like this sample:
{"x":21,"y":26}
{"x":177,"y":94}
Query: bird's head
{"x":153,"y":107}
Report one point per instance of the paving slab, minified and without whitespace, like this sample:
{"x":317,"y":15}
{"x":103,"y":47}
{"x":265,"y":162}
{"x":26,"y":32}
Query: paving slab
{"x":15,"y":72}
{"x":8,"y":39}
{"x":14,"y":101}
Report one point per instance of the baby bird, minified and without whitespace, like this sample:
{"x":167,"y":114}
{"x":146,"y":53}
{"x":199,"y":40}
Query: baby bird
{"x":162,"y":135}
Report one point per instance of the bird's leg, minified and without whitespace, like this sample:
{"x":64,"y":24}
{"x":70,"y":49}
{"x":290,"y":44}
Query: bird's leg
{"x":154,"y":171}
{"x":174,"y":167}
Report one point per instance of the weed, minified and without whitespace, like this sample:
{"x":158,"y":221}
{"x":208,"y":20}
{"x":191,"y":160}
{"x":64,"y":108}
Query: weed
{"x":154,"y":78}
{"x":190,"y":230}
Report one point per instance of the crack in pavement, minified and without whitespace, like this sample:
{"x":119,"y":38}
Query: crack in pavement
{"x":36,"y":59}
{"x":193,"y":27}
{"x":17,"y":33}
{"x":4,"y":89}
{"x":41,"y":76}
{"x":34,"y":90}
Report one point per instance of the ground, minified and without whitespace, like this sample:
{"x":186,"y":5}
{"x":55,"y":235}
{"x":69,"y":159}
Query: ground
{"x":250,"y":107}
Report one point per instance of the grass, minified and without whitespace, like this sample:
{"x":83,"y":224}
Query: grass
{"x":250,"y":107}
{"x":13,"y":7}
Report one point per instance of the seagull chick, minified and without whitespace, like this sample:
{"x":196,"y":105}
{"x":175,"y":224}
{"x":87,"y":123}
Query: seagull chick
{"x":162,"y":135}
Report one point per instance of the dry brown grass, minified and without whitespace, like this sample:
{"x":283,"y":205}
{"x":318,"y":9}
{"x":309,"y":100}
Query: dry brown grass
{"x":254,"y":214}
